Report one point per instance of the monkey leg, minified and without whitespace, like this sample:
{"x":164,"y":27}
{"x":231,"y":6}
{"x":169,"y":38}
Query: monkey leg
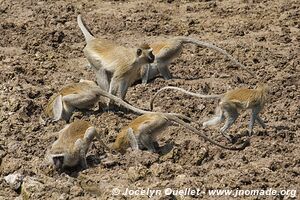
{"x":132,"y":139}
{"x":113,"y":89}
{"x":82,"y":161}
{"x":80,"y":149}
{"x":145,"y":76}
{"x":81,"y":101}
{"x":103,"y":79}
{"x":217,"y":119}
{"x":255,"y":116}
{"x":232,"y":114}
{"x":147,"y":141}
{"x":89,"y":134}
{"x":151,"y":72}
{"x":57,"y":108}
{"x":123,"y":87}
{"x":72,"y":101}
{"x":260,"y":121}
{"x":164,"y":71}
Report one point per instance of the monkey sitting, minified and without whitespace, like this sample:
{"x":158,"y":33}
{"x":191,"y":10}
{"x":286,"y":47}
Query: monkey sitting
{"x":231,"y":103}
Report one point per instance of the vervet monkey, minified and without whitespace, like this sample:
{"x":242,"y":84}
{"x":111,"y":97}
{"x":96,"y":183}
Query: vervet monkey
{"x":167,"y":50}
{"x":230,"y":104}
{"x":83,"y":95}
{"x":72,"y":145}
{"x":116,"y":66}
{"x":142,"y":132}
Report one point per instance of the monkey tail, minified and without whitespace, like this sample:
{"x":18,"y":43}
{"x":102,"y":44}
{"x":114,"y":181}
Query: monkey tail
{"x":87,"y":34}
{"x":180,"y":116}
{"x":134,"y":109}
{"x":211,"y":46}
{"x":121,"y":102}
{"x":179,"y":121}
{"x":214,"y":96}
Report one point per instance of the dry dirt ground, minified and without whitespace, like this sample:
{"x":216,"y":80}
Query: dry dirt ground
{"x":41,"y":51}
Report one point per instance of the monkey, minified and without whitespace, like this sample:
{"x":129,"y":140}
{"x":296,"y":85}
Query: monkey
{"x":82,"y":95}
{"x":166,"y":51}
{"x":142,"y":132}
{"x":231,"y":103}
{"x":116,"y":67}
{"x":71,"y":147}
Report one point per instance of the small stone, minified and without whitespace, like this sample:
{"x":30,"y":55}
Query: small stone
{"x":14,"y":180}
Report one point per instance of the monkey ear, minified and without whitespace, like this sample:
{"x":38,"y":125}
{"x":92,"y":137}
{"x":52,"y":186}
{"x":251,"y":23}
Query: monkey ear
{"x":139,"y":52}
{"x":57,"y":108}
{"x":132,"y":139}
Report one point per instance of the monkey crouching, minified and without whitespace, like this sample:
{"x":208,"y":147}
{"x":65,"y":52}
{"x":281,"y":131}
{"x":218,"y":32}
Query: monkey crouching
{"x":82,"y":95}
{"x":145,"y":130}
{"x":72,"y":145}
{"x":142,"y":132}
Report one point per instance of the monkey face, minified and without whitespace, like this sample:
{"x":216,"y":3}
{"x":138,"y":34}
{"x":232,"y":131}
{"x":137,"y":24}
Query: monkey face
{"x":58,"y":161}
{"x":145,"y":54}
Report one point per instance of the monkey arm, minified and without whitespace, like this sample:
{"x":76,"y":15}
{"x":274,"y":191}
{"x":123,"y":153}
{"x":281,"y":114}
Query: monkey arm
{"x":132,"y":139}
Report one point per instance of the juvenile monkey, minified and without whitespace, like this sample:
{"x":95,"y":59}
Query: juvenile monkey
{"x":230,"y":104}
{"x":142,"y":132}
{"x":166,"y":51}
{"x":82,"y":95}
{"x":71,"y":147}
{"x":116,"y":67}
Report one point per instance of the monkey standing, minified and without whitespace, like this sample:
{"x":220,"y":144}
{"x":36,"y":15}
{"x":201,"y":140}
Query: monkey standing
{"x":166,"y":51}
{"x":71,"y":147}
{"x":116,"y":67}
{"x":147,"y":127}
{"x":231,"y":103}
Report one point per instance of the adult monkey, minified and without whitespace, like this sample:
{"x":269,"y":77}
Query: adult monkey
{"x":166,"y":51}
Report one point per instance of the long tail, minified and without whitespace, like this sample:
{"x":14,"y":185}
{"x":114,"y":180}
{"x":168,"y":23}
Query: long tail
{"x":214,"y":96}
{"x":134,"y":109}
{"x":211,"y":46}
{"x":87,"y":34}
{"x":179,"y":121}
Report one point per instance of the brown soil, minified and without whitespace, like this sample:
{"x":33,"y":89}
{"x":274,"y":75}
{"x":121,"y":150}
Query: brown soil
{"x":41,"y":51}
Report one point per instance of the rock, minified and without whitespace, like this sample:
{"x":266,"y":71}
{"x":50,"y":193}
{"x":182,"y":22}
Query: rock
{"x":14,"y":180}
